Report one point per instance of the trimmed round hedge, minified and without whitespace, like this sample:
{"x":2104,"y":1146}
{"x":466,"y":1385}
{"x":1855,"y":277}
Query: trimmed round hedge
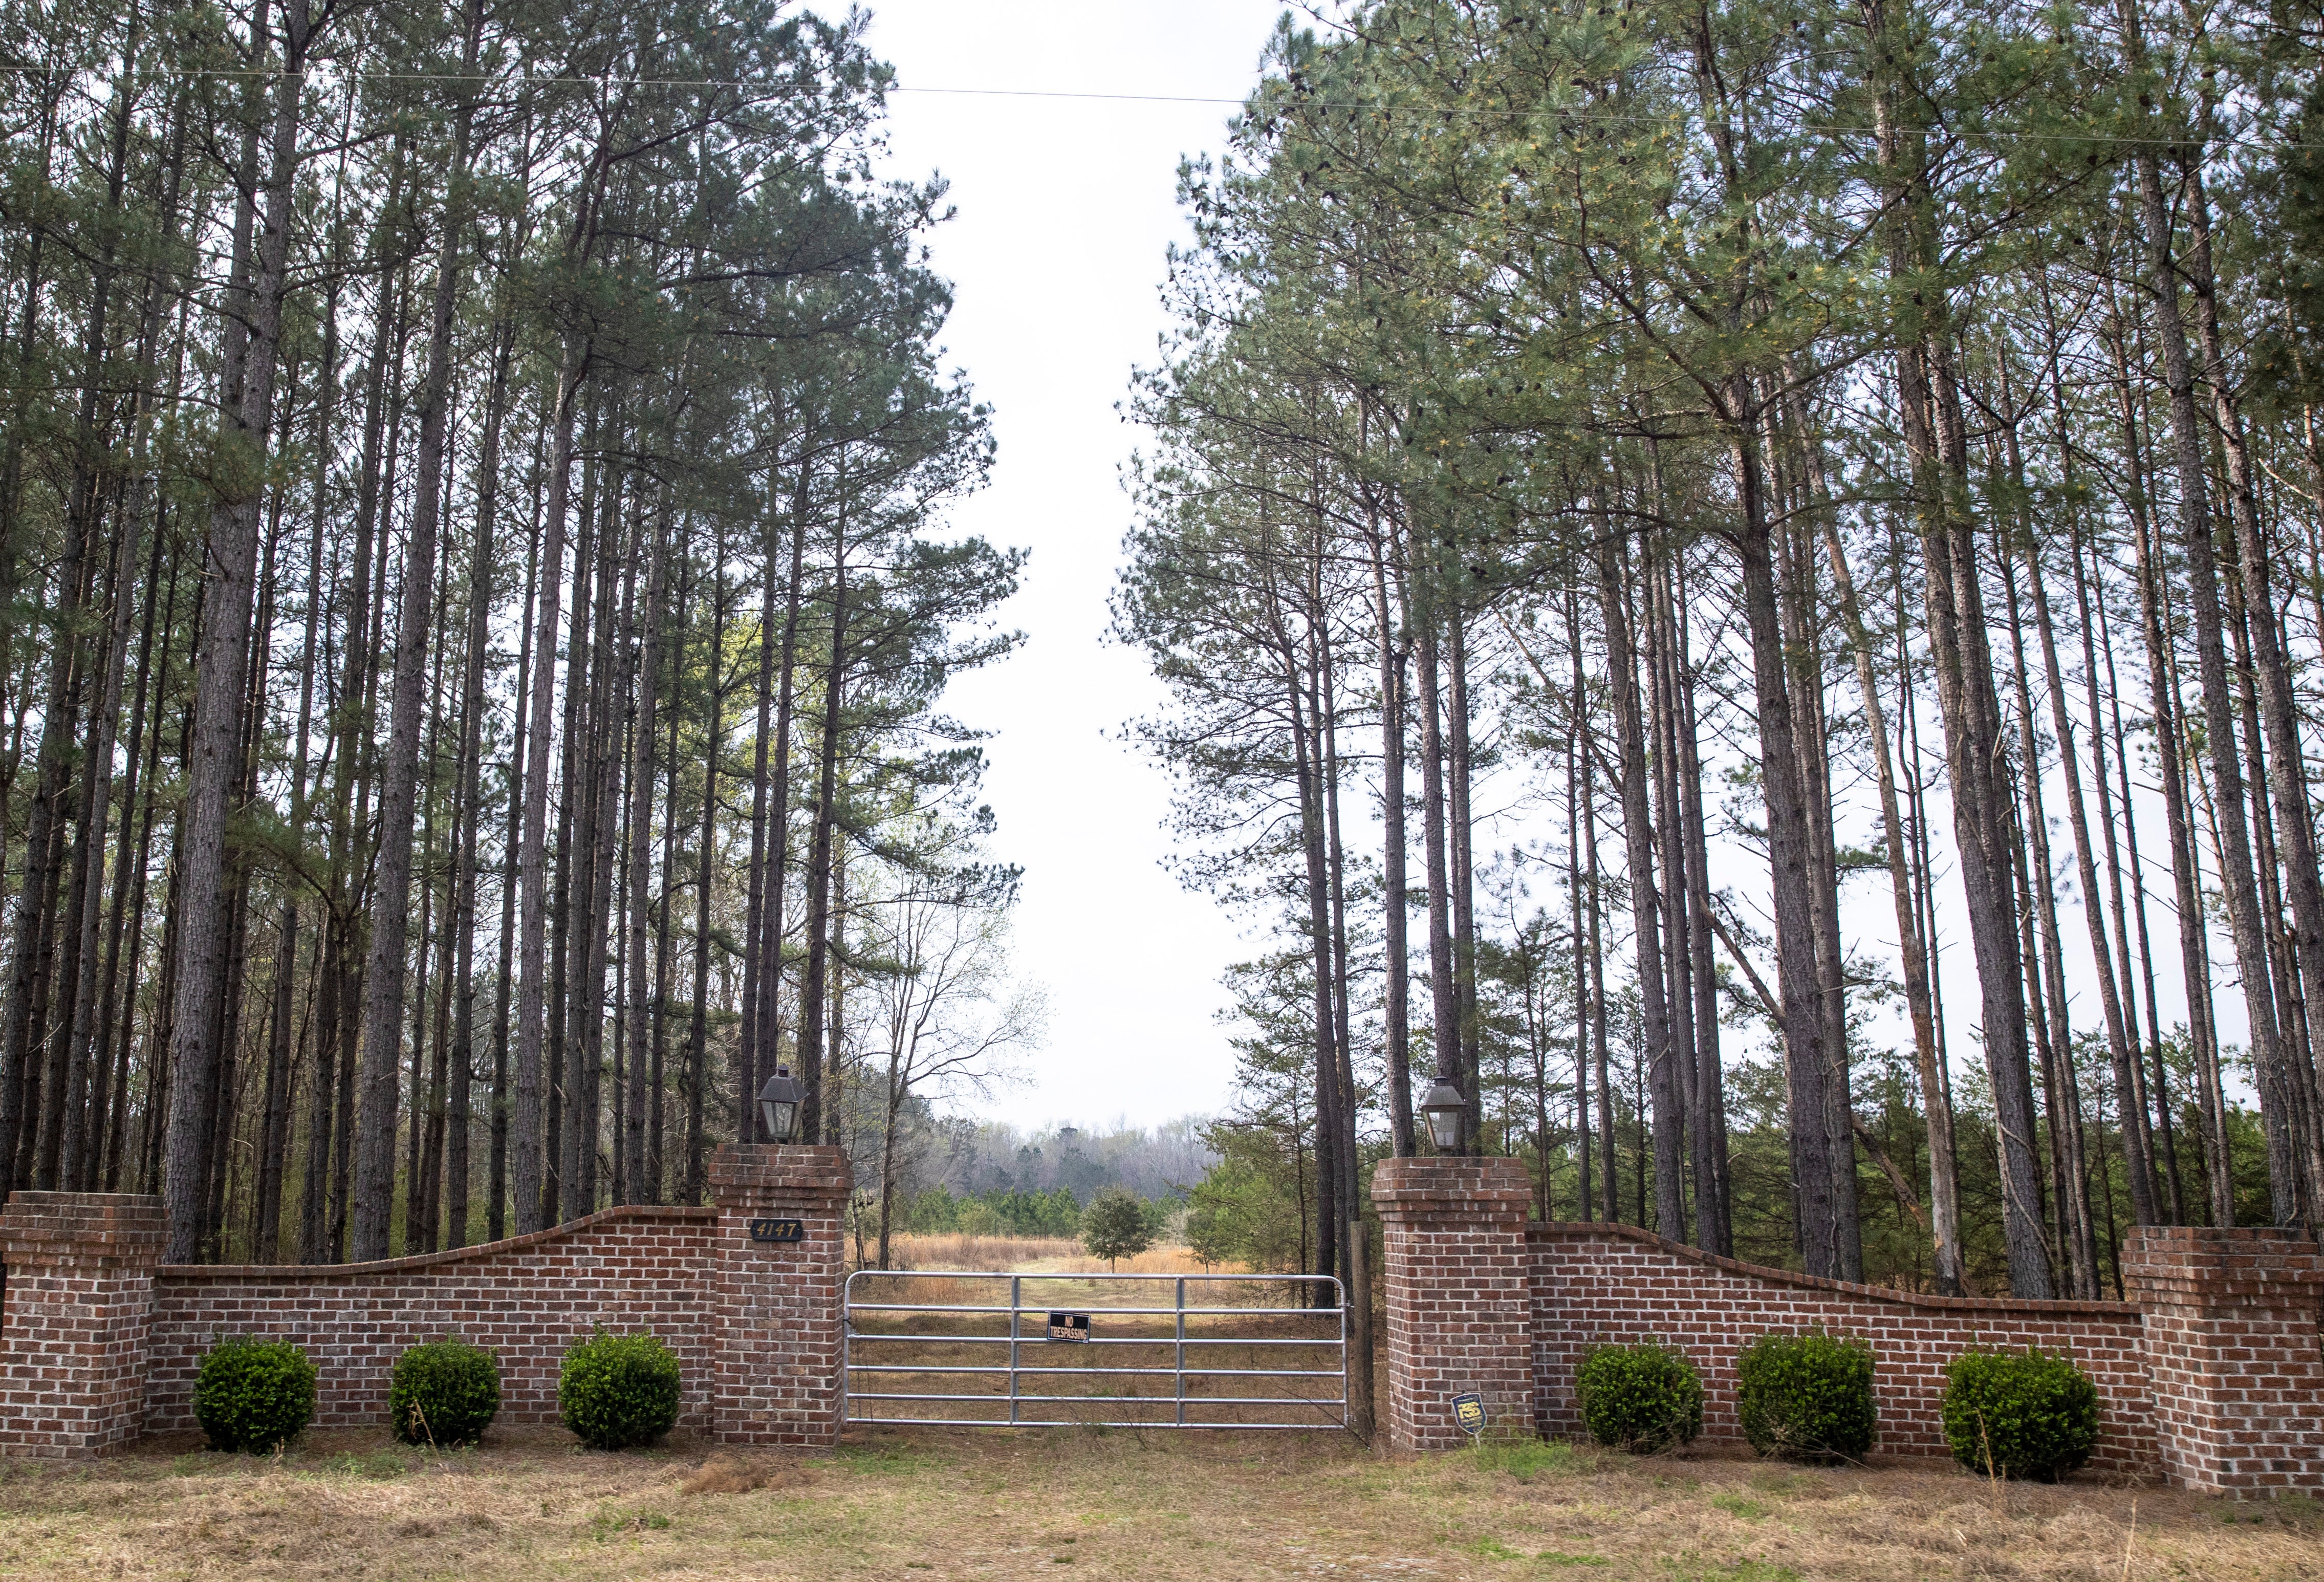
{"x":254,"y":1395}
{"x":444,"y":1392}
{"x":615,"y":1390}
{"x":1639,"y":1398}
{"x":1807,"y":1397}
{"x":2009,"y":1415}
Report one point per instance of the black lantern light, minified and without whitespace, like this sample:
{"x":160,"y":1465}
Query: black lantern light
{"x":1445,"y":1108}
{"x":779,"y":1105}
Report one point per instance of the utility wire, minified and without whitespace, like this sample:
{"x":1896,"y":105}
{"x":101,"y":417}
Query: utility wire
{"x":1294,"y":107}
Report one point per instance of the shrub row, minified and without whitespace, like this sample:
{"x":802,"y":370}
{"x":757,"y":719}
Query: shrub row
{"x":1809,"y":1397}
{"x":612,"y":1391}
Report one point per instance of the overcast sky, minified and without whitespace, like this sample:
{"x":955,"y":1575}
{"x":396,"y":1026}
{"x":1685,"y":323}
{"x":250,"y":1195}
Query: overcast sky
{"x":1065,"y":208}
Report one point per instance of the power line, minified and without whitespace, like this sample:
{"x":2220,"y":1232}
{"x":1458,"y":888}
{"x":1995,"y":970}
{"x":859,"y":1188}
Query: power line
{"x":1351,"y":107}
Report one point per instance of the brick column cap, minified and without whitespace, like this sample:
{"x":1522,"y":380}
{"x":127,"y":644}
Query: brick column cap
{"x":1451,"y":1186}
{"x":51,"y":1227}
{"x":2200,"y":1265}
{"x":748,"y":1169}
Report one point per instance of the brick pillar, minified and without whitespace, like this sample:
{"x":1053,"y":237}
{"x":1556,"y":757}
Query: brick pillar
{"x":79,"y":1296}
{"x":1459,"y":1303}
{"x":777,"y":1375}
{"x":2230,"y":1319}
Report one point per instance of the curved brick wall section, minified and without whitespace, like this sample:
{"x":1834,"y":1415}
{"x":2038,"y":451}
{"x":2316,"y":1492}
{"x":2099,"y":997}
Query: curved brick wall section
{"x":1596,"y":1283}
{"x":99,"y":1341}
{"x":526,"y":1299}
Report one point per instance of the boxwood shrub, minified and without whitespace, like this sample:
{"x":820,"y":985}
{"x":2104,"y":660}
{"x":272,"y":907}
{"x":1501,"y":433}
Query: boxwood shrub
{"x":2009,"y":1414}
{"x":254,"y":1395}
{"x":1640,"y":1398}
{"x":444,"y":1392}
{"x":615,"y":1390}
{"x":1808,"y":1397}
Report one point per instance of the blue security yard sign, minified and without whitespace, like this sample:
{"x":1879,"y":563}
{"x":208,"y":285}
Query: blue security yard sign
{"x":1469,"y":1412}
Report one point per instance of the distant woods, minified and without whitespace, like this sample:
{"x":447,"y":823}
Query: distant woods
{"x":474,"y":614}
{"x":1665,"y":522}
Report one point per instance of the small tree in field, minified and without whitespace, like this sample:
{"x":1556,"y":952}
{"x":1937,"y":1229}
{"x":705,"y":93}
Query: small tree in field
{"x":1210,"y":1236}
{"x":1114,"y":1227}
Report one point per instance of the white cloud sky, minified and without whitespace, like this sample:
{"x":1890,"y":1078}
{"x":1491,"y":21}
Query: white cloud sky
{"x":1066,"y":207}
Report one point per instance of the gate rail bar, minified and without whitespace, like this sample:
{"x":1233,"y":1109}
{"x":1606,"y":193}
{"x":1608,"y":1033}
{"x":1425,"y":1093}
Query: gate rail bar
{"x":1017,"y":1370}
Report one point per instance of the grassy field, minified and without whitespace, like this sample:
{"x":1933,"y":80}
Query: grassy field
{"x":1034,"y":1254}
{"x":943,"y":1504}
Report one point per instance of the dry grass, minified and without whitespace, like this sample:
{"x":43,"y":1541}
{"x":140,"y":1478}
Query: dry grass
{"x":1154,"y":1507}
{"x":1042,"y":1254}
{"x":731,"y":1474}
{"x":983,"y":1254}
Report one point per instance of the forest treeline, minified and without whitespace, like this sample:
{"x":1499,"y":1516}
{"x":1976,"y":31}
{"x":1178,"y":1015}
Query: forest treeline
{"x":476,"y":612}
{"x":1667,"y":518}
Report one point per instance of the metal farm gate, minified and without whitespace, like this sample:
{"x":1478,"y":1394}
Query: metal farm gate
{"x":957,"y":1349}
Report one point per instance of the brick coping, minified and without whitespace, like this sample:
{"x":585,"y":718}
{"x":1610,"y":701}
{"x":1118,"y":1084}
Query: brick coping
{"x":1539,"y":1230}
{"x":613,"y":1216}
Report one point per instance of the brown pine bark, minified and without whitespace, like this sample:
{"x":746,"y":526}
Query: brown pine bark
{"x":1444,"y":1003}
{"x":1397,"y":1007}
{"x":213,"y":767}
{"x":1638,"y":840}
{"x":2195,"y":531}
{"x":643,"y":731}
{"x":526,"y":1170}
{"x":1912,"y":949}
{"x":697,"y":1060}
{"x":824,"y":832}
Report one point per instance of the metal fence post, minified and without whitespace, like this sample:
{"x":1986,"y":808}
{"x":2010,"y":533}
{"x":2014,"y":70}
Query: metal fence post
{"x":1016,"y":1307}
{"x":1179,"y":1384}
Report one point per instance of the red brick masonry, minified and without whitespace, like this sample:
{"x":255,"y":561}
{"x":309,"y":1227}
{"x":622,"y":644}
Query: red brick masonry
{"x":776,"y":1312}
{"x":1460,"y":1317}
{"x":1598,"y":1284}
{"x":2232,"y":1348}
{"x":526,"y":1300}
{"x":73,"y":1320}
{"x":2212,"y":1379}
{"x":99,"y":1341}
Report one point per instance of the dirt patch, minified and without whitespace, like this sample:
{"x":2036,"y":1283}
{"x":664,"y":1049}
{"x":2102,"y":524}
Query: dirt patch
{"x":741,"y":1475}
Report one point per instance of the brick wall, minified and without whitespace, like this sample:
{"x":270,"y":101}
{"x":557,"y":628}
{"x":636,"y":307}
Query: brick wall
{"x":777,"y":1318}
{"x":525,"y":1299}
{"x":100,"y":1342}
{"x":1459,"y":1303}
{"x":2232,"y":1349}
{"x":74,"y":1320}
{"x":1592,"y":1284}
{"x":2212,"y":1377}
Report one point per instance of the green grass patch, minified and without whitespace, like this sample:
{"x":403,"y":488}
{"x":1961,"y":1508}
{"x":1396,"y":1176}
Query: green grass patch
{"x":1749,"y":1510}
{"x":606,"y":1525}
{"x":1558,"y":1556}
{"x":1793,"y":1486}
{"x":371,"y":1463}
{"x":1527,"y":1459}
{"x":893,"y":1460}
{"x":1491,"y":1549}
